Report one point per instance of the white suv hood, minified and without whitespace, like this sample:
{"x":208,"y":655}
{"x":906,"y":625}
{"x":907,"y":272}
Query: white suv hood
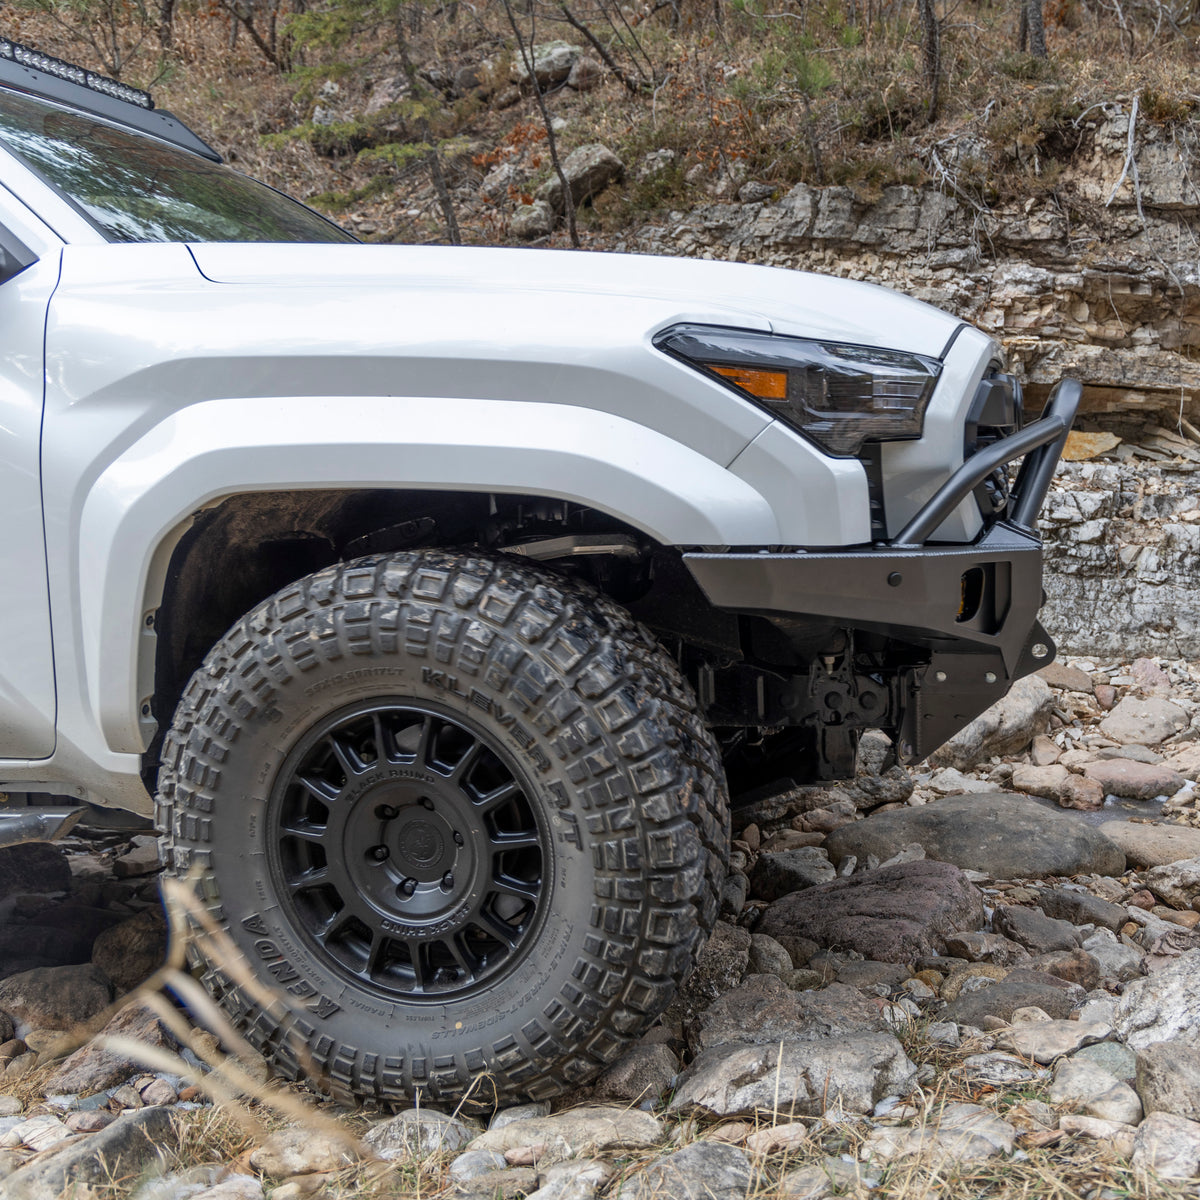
{"x":791,"y":302}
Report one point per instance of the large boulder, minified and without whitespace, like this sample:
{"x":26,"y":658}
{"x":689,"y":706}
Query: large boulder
{"x":55,"y":998}
{"x":1163,"y":1007}
{"x":893,"y":914}
{"x":551,"y":61}
{"x":589,"y":170}
{"x":1177,"y":883}
{"x":1143,"y":722}
{"x":801,"y":1078}
{"x":764,"y":1011}
{"x":1153,"y":845}
{"x":1005,"y":728}
{"x":1004,"y":835}
{"x":91,"y":1069}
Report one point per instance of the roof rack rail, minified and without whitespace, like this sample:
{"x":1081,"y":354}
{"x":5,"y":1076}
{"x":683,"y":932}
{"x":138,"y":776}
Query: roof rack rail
{"x":51,"y":78}
{"x":47,"y":63}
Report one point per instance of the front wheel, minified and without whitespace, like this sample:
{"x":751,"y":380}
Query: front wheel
{"x":461,"y":814}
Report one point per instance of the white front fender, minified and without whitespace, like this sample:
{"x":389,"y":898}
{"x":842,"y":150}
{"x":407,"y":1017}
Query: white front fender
{"x":139,"y":506}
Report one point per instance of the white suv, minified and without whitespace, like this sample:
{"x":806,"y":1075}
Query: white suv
{"x":431,"y":596}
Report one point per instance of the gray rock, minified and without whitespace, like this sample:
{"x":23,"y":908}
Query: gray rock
{"x":589,"y":170}
{"x":893,"y":914}
{"x":640,"y":1076}
{"x":1067,"y":679}
{"x":1168,"y":1146}
{"x":1040,"y":781}
{"x":55,"y":997}
{"x":1152,"y":845}
{"x":129,"y":953}
{"x":419,"y":1131}
{"x":768,"y":957}
{"x":552,"y":63}
{"x":1006,"y":728}
{"x":986,"y":948}
{"x":1076,"y":792}
{"x":1094,"y":1092}
{"x":1115,"y":959}
{"x":576,"y":1180}
{"x":1119,"y":1061}
{"x":1037,"y":932}
{"x":1167,"y":1079}
{"x":765,"y":1011}
{"x":586,"y":73}
{"x":804,"y":1078}
{"x":957,"y":1133}
{"x":532,"y":221}
{"x":301,"y":1151}
{"x":497,"y":182}
{"x":1163,"y":1007}
{"x":577,"y":1132}
{"x":1134,"y":780}
{"x":999,"y":1069}
{"x":778,"y":873}
{"x":518,"y":1112}
{"x":513,"y":1183}
{"x":1146,"y":722}
{"x":1044,"y":1041}
{"x":472,"y":1163}
{"x":1003,"y":835}
{"x":1081,"y":908}
{"x":1020,"y":989}
{"x":1177,"y":883}
{"x":701,"y":1171}
{"x":720,"y":967}
{"x":867,"y":975}
{"x":734,"y":892}
{"x":120,"y":1151}
{"x":91,"y":1069}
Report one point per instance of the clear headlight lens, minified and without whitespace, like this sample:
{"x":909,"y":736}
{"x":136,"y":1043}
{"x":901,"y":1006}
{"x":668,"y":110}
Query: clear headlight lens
{"x":839,"y":395}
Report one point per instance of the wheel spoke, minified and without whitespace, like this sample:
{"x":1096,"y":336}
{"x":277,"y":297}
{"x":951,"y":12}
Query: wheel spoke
{"x":416,"y":951}
{"x":498,"y":929}
{"x":347,"y":757}
{"x":312,"y":878}
{"x":333,"y":924}
{"x":462,"y":768}
{"x":385,"y":742}
{"x":319,"y":789}
{"x":305,"y":830}
{"x":506,"y":885}
{"x":424,"y":742}
{"x":375,"y":955}
{"x":497,"y":796}
{"x":461,"y":955}
{"x":516,"y":841}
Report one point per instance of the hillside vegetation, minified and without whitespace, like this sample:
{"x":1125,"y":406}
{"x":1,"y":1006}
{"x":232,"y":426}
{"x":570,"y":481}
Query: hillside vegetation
{"x":391,"y":114}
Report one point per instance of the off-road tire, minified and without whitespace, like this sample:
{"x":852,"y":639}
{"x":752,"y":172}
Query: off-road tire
{"x":624,"y":782}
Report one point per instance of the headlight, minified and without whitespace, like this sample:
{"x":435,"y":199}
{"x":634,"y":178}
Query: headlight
{"x":840,"y":396}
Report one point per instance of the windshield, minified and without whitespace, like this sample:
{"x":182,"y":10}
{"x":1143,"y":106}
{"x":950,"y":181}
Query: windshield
{"x":135,"y":188}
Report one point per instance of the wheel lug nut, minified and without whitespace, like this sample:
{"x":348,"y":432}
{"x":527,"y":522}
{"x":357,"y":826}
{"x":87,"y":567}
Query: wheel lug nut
{"x":407,"y":887}
{"x":427,"y":803}
{"x":379,"y":853}
{"x":458,"y":838}
{"x":385,"y":812}
{"x":447,"y":881}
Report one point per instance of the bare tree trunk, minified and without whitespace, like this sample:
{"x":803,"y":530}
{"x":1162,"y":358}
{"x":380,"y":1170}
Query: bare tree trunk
{"x":1037,"y":28}
{"x":931,"y":47}
{"x":551,"y":141}
{"x":433,"y":160}
{"x":166,"y":22}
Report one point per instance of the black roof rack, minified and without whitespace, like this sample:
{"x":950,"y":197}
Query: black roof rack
{"x":44,"y":75}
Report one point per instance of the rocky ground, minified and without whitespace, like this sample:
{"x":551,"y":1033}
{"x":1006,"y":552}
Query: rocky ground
{"x":982,"y":978}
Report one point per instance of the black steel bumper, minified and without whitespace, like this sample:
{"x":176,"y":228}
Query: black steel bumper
{"x":973,"y":608}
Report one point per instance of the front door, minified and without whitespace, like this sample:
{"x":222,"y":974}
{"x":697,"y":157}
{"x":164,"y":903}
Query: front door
{"x":27,"y":702}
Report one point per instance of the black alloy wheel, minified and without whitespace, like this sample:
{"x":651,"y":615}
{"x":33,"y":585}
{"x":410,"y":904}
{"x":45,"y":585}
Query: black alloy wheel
{"x":408,"y":851}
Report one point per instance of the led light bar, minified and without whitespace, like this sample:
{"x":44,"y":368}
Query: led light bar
{"x":48,"y":64}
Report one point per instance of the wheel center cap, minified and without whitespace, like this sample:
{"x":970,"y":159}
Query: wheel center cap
{"x":423,"y":844}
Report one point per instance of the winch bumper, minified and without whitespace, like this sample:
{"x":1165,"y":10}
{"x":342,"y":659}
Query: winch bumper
{"x":971,"y":608}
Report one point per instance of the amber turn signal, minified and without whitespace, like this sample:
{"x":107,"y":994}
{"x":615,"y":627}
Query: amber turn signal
{"x":766,"y":385}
